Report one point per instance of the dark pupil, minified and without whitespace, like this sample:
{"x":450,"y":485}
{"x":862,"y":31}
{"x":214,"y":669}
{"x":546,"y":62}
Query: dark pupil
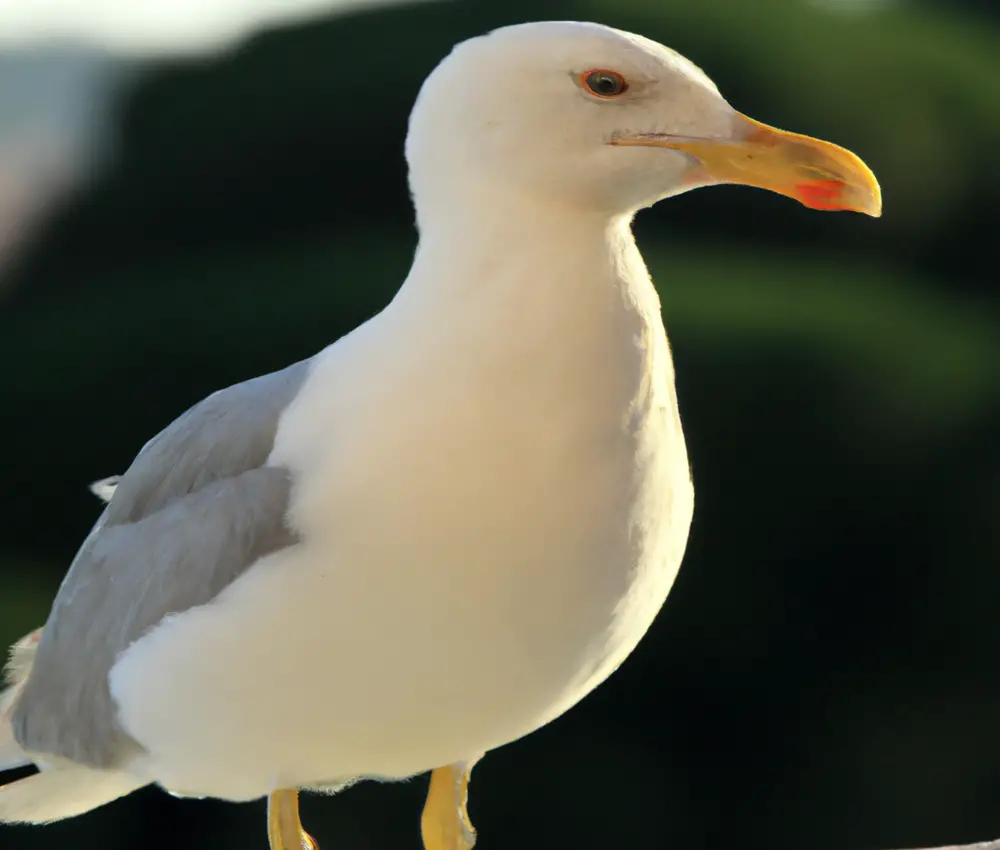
{"x":603,"y":83}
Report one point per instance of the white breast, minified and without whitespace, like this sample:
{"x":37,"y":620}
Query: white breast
{"x":489,"y":523}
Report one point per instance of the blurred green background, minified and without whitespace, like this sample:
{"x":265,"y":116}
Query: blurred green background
{"x":825,"y":673}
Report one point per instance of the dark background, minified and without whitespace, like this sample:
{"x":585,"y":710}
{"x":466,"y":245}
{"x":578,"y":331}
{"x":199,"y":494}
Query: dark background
{"x":825,"y":672}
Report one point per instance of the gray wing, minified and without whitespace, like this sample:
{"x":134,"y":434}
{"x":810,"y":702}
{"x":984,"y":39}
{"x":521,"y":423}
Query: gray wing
{"x":194,"y":510}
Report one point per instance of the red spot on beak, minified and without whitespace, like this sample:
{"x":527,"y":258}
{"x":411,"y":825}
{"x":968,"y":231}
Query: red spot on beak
{"x":821,"y":194}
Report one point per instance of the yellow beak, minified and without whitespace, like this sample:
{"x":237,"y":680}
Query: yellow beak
{"x":818,"y":174}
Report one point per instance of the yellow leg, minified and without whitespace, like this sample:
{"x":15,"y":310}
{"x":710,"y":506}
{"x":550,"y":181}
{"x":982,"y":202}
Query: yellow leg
{"x":284,"y":829}
{"x":445,"y":823}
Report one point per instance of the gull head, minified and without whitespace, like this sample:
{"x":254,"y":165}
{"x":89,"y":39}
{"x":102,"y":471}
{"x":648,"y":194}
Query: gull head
{"x":583,"y":114}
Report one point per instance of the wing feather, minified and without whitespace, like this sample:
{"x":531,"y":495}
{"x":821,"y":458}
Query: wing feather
{"x":195,"y":509}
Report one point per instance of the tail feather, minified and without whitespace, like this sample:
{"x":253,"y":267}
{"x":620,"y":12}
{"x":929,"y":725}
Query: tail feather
{"x":62,"y":792}
{"x":21,"y":658}
{"x":11,"y":754}
{"x":22,"y":655}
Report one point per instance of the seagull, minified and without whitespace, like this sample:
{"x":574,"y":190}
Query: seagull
{"x":446,"y":528}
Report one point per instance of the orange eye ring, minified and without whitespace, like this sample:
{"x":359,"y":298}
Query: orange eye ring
{"x":603,"y":83}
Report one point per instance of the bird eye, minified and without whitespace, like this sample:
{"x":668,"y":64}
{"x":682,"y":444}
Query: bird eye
{"x":604,"y":83}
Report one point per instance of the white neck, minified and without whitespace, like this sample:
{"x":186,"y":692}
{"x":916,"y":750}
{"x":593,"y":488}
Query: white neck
{"x":488,"y":245}
{"x":568,"y":287}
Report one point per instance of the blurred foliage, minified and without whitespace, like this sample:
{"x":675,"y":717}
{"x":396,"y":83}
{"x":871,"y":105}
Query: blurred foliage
{"x":825,"y":671}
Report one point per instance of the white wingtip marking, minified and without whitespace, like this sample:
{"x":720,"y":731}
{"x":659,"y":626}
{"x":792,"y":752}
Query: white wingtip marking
{"x":105,"y":488}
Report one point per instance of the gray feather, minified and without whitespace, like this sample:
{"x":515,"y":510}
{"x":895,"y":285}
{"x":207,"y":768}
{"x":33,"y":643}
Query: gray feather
{"x":193,"y":512}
